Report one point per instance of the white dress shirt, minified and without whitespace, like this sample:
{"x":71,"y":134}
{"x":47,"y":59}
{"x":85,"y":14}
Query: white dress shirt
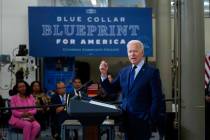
{"x":138,"y":67}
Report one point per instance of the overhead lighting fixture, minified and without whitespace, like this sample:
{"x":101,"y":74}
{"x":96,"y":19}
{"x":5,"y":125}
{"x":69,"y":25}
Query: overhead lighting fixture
{"x":93,"y":2}
{"x":206,"y":3}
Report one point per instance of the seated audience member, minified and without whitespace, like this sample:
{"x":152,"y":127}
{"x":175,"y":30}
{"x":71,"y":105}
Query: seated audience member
{"x":77,"y":84}
{"x":59,"y":114}
{"x":14,"y":91}
{"x":24,"y":118}
{"x":42,"y":115}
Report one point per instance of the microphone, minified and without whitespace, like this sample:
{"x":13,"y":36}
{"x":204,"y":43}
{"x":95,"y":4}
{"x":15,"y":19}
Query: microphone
{"x":84,"y":86}
{"x":87,"y":84}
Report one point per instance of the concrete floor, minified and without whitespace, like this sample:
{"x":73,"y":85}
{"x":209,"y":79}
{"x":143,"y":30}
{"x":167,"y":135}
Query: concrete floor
{"x":46,"y":135}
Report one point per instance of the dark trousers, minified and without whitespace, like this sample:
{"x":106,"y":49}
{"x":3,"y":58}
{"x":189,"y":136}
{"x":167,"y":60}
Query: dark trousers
{"x":136,"y":128}
{"x":161,"y":125}
{"x":61,"y":117}
{"x":57,"y":120}
{"x":207,"y":121}
{"x":42,"y":118}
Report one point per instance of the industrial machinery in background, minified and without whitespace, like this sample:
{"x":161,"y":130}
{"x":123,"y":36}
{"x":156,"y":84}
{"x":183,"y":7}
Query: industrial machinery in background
{"x":49,"y":70}
{"x":22,"y":64}
{"x":4,"y":59}
{"x":19,"y":64}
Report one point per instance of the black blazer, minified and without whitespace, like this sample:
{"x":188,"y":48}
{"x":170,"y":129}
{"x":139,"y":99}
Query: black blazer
{"x":83,"y":94}
{"x":56,"y":100}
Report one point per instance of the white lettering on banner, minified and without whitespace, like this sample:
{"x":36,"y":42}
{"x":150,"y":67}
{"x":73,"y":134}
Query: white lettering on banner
{"x":66,"y":33}
{"x":65,"y":41}
{"x":69,"y":19}
{"x":46,"y":30}
{"x":57,"y":32}
{"x":102,"y":41}
{"x":106,"y":19}
{"x":90,"y":30}
{"x":80,"y":30}
{"x":93,"y":42}
{"x":90,"y":49}
{"x":71,"y":49}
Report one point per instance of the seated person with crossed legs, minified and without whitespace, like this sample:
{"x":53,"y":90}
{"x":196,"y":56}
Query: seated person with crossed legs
{"x":24,"y":118}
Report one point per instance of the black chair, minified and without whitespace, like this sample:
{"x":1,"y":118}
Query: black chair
{"x":15,"y":132}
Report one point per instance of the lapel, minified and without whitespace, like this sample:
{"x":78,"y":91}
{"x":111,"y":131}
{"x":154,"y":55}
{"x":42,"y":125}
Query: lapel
{"x":67,"y":99}
{"x":138,"y":77}
{"x":58,"y":99}
{"x":128,"y":77}
{"x":66,"y":96}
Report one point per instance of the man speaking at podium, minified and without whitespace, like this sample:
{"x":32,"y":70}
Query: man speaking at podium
{"x":140,"y":86}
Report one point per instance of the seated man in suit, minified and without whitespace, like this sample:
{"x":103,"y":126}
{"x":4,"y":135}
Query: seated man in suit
{"x":77,"y":84}
{"x":140,"y":86}
{"x":59,"y":114}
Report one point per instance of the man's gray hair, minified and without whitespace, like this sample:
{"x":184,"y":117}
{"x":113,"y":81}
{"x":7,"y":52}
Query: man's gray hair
{"x":139,"y":43}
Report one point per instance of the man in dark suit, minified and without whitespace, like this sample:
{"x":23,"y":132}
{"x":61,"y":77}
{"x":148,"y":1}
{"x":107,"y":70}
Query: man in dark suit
{"x":74,"y":93}
{"x":76,"y":82}
{"x":59,"y":114}
{"x":140,"y":86}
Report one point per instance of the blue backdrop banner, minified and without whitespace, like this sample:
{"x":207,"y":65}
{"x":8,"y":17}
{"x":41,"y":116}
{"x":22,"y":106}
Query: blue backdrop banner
{"x":87,"y":31}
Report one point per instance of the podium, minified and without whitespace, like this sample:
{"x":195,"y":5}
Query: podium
{"x":91,"y":114}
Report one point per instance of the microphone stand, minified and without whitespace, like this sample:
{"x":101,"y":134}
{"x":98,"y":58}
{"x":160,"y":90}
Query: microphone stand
{"x":84,"y":86}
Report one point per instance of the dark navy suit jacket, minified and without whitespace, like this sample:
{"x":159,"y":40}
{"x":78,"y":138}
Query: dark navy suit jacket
{"x":84,"y":95}
{"x":143,"y":99}
{"x":58,"y":118}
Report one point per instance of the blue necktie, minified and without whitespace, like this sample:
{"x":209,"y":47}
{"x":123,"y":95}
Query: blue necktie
{"x":63,"y":100}
{"x":132,"y":76}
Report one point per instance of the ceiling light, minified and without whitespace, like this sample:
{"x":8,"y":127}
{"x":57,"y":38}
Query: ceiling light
{"x":93,"y":2}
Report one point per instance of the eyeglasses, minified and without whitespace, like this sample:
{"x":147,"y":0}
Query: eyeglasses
{"x":61,"y":88}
